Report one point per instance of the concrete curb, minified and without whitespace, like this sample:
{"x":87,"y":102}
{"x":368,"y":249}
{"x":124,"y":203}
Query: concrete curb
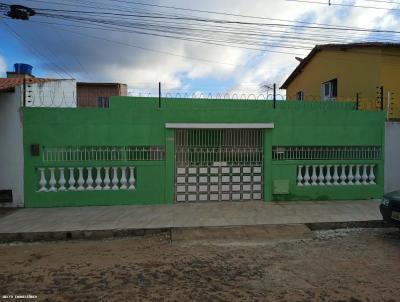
{"x":77,"y":235}
{"x":119,"y":233}
{"x":319,"y":226}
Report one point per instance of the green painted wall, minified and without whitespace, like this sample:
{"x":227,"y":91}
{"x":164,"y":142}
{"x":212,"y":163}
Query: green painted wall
{"x":140,"y":121}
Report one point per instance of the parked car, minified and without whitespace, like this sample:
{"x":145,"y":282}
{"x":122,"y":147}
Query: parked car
{"x":390,"y":207}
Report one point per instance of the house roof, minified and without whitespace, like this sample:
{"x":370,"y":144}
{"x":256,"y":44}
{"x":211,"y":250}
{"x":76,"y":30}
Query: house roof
{"x":318,"y":48}
{"x":9,"y":84}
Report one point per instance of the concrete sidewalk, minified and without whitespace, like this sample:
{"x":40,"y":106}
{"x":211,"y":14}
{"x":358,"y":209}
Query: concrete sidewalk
{"x":150,"y":217}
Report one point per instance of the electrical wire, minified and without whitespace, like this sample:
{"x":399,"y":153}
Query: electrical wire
{"x":343,"y":4}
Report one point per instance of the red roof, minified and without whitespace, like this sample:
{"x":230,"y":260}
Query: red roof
{"x":9,"y":84}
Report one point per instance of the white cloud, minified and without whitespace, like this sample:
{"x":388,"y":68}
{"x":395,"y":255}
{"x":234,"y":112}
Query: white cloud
{"x":142,"y":69}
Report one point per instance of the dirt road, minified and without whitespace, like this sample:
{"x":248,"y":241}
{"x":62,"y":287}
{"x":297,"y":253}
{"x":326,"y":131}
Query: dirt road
{"x":355,"y":265}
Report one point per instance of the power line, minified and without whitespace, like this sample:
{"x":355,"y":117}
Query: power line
{"x":144,"y":48}
{"x":220,"y":32}
{"x":382,"y":1}
{"x":343,"y":4}
{"x":191,"y":18}
{"x":36,"y":52}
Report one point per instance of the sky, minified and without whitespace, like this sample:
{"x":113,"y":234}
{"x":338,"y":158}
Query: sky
{"x":66,"y":50}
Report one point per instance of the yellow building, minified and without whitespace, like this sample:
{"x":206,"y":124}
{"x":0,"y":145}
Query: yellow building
{"x":341,"y":71}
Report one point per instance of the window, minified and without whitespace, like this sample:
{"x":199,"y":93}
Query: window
{"x":329,"y":90}
{"x":300,"y":95}
{"x":102,"y":102}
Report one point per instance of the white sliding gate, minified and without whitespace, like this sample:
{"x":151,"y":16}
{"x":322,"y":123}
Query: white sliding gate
{"x":218,"y":164}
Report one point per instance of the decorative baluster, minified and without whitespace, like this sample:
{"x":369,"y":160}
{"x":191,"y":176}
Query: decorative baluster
{"x":335,"y":175}
{"x":81,"y":181}
{"x":98,"y":179}
{"x":52,"y":181}
{"x":71,"y":181}
{"x":307,"y":176}
{"x":321,"y":177}
{"x":42,"y":181}
{"x":115,"y":178}
{"x":299,"y":176}
{"x":106,"y":179}
{"x":350,"y":177}
{"x":132,"y":180}
{"x":328,"y":176}
{"x":343,"y":176}
{"x":371,"y":175}
{"x":89,"y":180}
{"x":314,"y":176}
{"x":357,"y":177}
{"x":123,"y":179}
{"x":62,"y":180}
{"x":364,"y":175}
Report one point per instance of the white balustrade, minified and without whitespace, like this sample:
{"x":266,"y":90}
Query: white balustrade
{"x":350,"y":176}
{"x":371,"y":175}
{"x":357,"y":177}
{"x":53,"y":179}
{"x":314,"y":176}
{"x":123,"y":179}
{"x":81,"y":181}
{"x":344,"y":174}
{"x":299,"y":176}
{"x":364,"y":175}
{"x":106,"y":179}
{"x":132,"y":180}
{"x":321,"y":177}
{"x":62,"y":180}
{"x":335,"y":175}
{"x":115,"y":179}
{"x":42,"y":181}
{"x":328,"y":176}
{"x":306,"y":176}
{"x":98,"y":179}
{"x":89,"y":179}
{"x":71,"y":180}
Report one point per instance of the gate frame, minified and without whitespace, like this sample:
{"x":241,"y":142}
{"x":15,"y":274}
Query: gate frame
{"x":170,"y":152}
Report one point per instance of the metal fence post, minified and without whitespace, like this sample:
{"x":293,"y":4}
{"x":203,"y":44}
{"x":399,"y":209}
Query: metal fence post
{"x":381,"y":91}
{"x":24,"y":92}
{"x":357,"y":100}
{"x":159,"y":94}
{"x":274,"y":95}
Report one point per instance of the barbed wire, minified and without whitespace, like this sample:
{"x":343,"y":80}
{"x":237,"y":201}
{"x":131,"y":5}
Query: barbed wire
{"x":211,"y":95}
{"x":55,"y":97}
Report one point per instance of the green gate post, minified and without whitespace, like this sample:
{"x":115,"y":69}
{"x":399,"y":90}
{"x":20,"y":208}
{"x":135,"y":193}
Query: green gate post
{"x":169,"y":165}
{"x":267,"y":165}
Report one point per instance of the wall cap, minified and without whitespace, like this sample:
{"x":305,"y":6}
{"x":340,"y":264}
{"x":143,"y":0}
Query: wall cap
{"x":218,"y":126}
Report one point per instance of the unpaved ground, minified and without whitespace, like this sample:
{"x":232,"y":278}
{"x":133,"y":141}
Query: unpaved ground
{"x":355,"y":265}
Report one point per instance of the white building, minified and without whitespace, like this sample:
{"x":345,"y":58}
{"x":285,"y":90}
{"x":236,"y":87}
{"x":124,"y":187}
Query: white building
{"x":16,"y":91}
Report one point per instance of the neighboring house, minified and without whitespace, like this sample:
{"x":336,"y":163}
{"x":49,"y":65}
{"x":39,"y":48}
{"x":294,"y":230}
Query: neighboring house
{"x":97,"y":94}
{"x":340,"y":71}
{"x":21,"y":89}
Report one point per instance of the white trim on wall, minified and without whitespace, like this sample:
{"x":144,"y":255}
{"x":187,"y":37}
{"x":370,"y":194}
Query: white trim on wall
{"x":218,"y":126}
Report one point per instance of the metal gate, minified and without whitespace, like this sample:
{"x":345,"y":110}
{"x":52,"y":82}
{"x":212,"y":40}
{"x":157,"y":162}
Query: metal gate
{"x":218,"y":164}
